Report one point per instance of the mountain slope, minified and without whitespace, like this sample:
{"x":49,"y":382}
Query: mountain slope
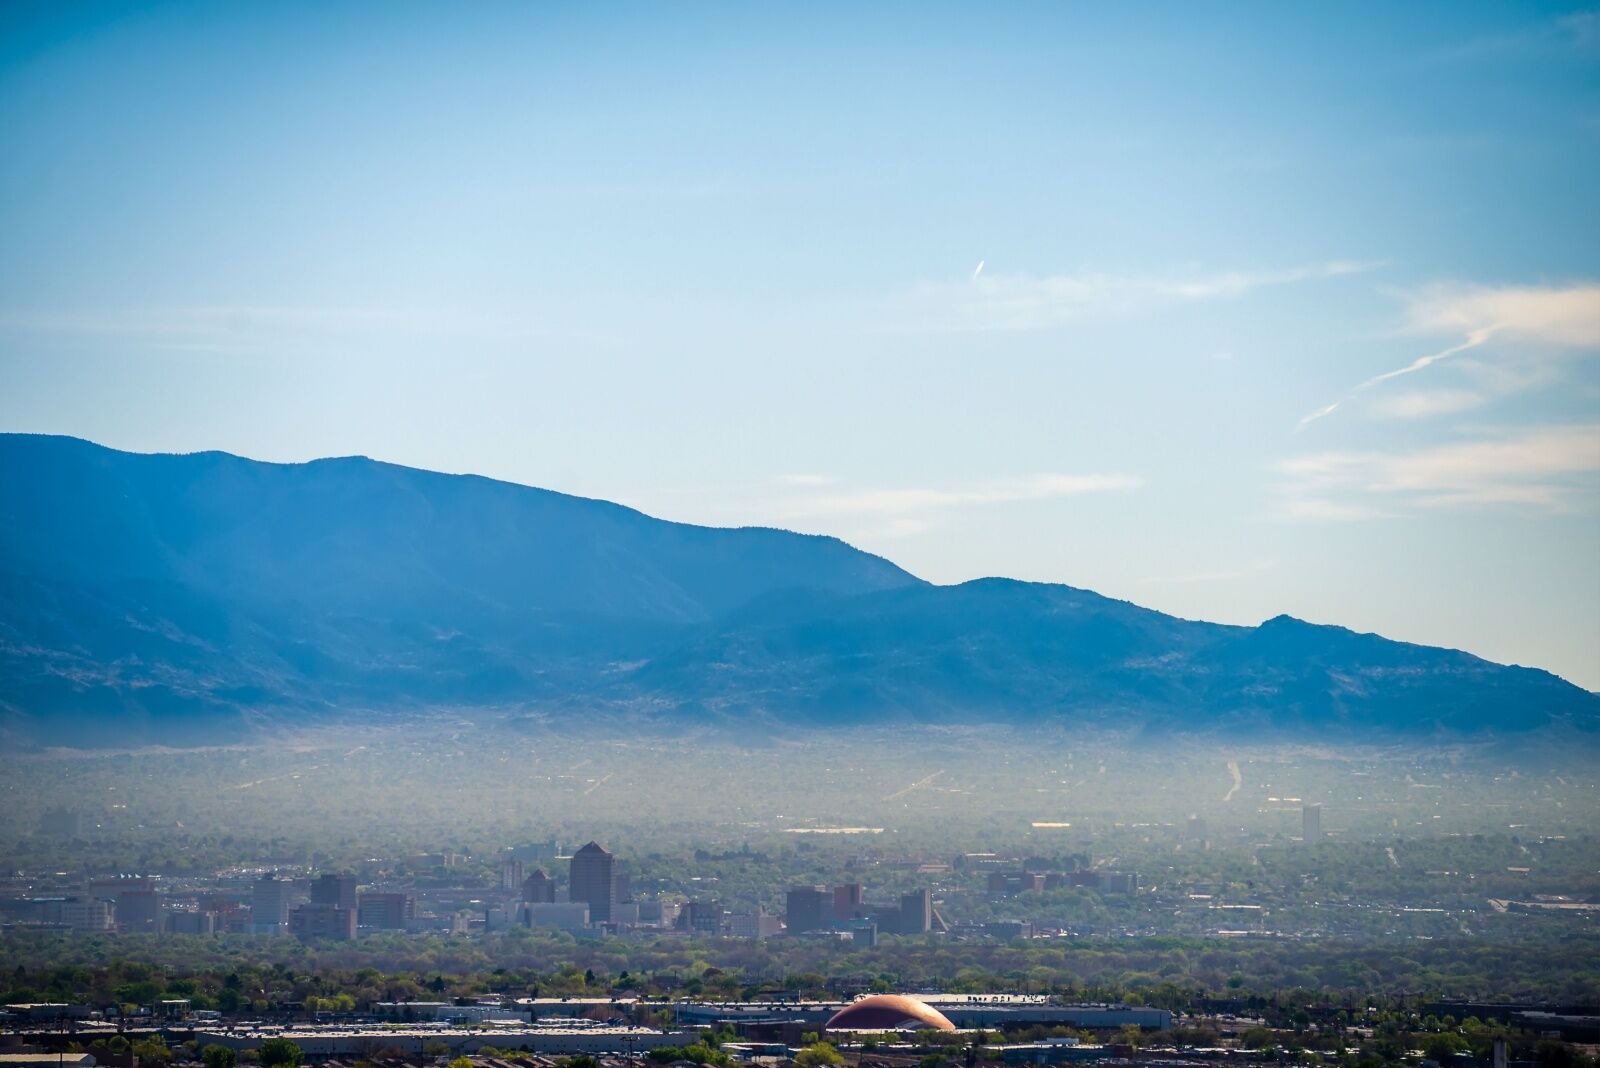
{"x":1005,"y":649}
{"x":181,"y":598}
{"x":207,"y":584}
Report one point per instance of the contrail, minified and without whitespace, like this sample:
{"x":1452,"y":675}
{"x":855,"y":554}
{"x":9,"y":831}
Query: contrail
{"x":1474,"y":339}
{"x":976,"y":271}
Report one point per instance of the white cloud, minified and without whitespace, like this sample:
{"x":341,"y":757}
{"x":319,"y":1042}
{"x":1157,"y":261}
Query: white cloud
{"x":1566,"y":316}
{"x":1422,"y":403}
{"x":1238,"y":283}
{"x":1551,"y":317}
{"x":1255,"y":567}
{"x":1578,"y":31}
{"x":276,"y":330}
{"x":903,"y":527}
{"x":1547,"y":467}
{"x":993,"y":301}
{"x":874,"y":514}
{"x":1004,"y":491}
{"x":1323,"y":510}
{"x":1476,"y":338}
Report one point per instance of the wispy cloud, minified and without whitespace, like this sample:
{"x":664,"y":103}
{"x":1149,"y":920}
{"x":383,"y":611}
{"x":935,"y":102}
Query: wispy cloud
{"x":1576,"y":32}
{"x":267,"y":329}
{"x":903,"y":527}
{"x":924,"y":499}
{"x":994,"y":301}
{"x":1559,"y":317}
{"x":1551,"y":468}
{"x":882,"y":513}
{"x":1255,"y":567}
{"x":1474,"y":339}
{"x":1324,"y":510}
{"x":1423,"y":403}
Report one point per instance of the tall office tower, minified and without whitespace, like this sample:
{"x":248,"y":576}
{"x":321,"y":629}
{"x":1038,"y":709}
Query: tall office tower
{"x":593,"y":881}
{"x":916,"y":912}
{"x":269,"y":901}
{"x":809,"y":908}
{"x":1311,"y":823}
{"x":139,"y":910}
{"x":511,"y":874}
{"x":539,"y":888}
{"x":336,"y":890}
{"x":846,"y":901}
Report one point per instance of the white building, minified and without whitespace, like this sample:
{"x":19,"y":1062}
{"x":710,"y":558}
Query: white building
{"x":88,"y":914}
{"x":417,"y":1011}
{"x":321,"y":1043}
{"x":754,"y":925}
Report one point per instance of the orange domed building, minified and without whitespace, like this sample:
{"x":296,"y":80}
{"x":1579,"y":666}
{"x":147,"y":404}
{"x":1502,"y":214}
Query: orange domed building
{"x":881,"y":1011}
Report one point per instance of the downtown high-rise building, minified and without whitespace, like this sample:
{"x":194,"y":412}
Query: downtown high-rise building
{"x":335,"y":891}
{"x":846,"y":901}
{"x":916,"y":912}
{"x":809,"y":908}
{"x":269,"y":901}
{"x":511,"y":874}
{"x":593,"y":881}
{"x":1311,"y":823}
{"x":539,"y":888}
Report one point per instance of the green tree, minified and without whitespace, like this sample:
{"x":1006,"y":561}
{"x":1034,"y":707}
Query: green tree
{"x":1259,"y":1038}
{"x":818,"y":1055}
{"x":216,"y":1056}
{"x":281,"y":1053}
{"x":142,"y":993}
{"x":153,"y":1050}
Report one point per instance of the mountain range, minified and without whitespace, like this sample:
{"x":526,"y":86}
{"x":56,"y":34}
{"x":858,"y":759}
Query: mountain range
{"x":188,"y":598}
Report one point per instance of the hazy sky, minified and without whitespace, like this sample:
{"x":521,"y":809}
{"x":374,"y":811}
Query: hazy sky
{"x":1228,"y":310}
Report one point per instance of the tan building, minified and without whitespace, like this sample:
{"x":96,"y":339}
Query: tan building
{"x":593,"y":881}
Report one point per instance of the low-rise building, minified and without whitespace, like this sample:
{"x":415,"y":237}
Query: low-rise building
{"x":386,"y":911}
{"x":90,"y":915}
{"x":322,"y":921}
{"x":320,"y":1043}
{"x":562,"y":915}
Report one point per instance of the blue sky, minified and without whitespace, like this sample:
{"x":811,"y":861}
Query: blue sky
{"x":1229,"y":310}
